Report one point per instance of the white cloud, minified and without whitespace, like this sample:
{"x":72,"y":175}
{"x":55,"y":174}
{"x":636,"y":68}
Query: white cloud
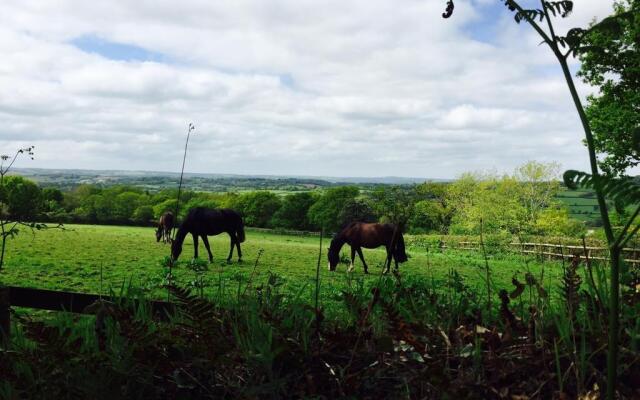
{"x":286,"y":87}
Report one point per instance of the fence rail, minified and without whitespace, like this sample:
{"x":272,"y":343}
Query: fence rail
{"x":289,"y":232}
{"x":53,"y":300}
{"x":555,"y":251}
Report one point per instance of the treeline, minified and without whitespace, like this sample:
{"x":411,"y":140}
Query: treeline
{"x":521,"y":203}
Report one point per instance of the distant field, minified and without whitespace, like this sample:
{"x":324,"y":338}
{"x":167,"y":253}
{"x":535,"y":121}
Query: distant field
{"x":71,"y":260}
{"x":582,"y":204}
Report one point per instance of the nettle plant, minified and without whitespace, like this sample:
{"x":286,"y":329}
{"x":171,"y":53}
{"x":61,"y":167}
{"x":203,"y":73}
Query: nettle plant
{"x":622,"y":191}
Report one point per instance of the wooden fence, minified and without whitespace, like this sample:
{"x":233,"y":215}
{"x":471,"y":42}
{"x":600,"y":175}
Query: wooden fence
{"x":550,"y":251}
{"x":288,"y":232}
{"x":79,"y":303}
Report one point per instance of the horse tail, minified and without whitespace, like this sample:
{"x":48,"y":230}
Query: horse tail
{"x":240,"y":231}
{"x":401,"y":255}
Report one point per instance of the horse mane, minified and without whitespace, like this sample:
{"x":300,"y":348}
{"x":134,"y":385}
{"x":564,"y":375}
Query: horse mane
{"x":182,"y":233}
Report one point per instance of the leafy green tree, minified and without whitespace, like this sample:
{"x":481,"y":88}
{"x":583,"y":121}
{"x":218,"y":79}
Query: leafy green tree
{"x":22,"y":197}
{"x":539,"y":186}
{"x":201,"y":202}
{"x":493,"y":200}
{"x":167,"y":205}
{"x":325,"y":213}
{"x":17,"y":197}
{"x":428,"y":217}
{"x":104,"y":207}
{"x":293,"y":212}
{"x":52,"y":194}
{"x":143,"y":214}
{"x":432,"y":210}
{"x":394,"y":204}
{"x":356,"y":210}
{"x":257,"y":208}
{"x":610,"y":60}
{"x":125,"y":204}
{"x":555,"y":221}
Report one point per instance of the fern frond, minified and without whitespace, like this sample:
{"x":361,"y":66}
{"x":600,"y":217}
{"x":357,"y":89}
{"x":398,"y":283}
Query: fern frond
{"x":571,"y":281}
{"x":563,"y":8}
{"x":526,"y":15}
{"x":198,"y":312}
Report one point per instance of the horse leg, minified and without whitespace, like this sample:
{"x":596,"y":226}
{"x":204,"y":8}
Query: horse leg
{"x":366,"y":269}
{"x":233,"y":242}
{"x":239,"y":251}
{"x":353,"y":257}
{"x":195,"y":245}
{"x":387,"y":265}
{"x":205,"y":240}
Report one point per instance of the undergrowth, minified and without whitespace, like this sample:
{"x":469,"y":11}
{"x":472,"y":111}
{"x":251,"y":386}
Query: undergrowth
{"x":400,"y":337}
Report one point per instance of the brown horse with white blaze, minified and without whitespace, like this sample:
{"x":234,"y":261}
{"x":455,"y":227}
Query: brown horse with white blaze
{"x":369,"y":236}
{"x":165,"y":225}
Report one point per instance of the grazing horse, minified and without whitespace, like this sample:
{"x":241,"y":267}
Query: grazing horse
{"x":164,"y":227}
{"x":369,"y":236}
{"x":205,"y":222}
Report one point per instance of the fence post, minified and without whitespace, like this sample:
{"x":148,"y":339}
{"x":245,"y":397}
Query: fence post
{"x":5,"y":316}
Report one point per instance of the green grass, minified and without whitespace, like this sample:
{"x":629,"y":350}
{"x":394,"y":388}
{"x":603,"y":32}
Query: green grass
{"x":72,"y":260}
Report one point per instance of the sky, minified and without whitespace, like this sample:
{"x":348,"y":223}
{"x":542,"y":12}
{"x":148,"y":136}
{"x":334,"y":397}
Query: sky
{"x":286,"y":87}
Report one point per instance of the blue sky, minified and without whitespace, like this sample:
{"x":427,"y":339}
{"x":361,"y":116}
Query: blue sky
{"x":91,"y":43}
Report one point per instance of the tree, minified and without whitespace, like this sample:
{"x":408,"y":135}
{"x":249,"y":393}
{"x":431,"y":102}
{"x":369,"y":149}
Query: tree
{"x":556,"y":221}
{"x":9,"y":222}
{"x":434,"y":211}
{"x":493,"y":199}
{"x":22,"y":197}
{"x":394,"y":204}
{"x":143,"y":214}
{"x":167,"y":205}
{"x":52,"y":194}
{"x":125,"y":204}
{"x":611,"y":61}
{"x":325,"y":213}
{"x":356,"y":210}
{"x":293,"y":212}
{"x":539,"y":187}
{"x":257,"y":208}
{"x":427,"y":217}
{"x":563,"y":47}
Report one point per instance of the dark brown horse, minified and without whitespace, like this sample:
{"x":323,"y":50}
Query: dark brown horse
{"x":205,"y":222}
{"x":369,"y":236}
{"x":165,"y":225}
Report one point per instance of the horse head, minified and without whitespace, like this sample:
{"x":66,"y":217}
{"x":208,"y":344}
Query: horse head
{"x":159,"y":233}
{"x":176,"y":249}
{"x":334,"y":257}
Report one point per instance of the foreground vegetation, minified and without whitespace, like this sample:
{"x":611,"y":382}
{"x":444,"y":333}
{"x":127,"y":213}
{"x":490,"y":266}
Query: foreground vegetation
{"x":429,"y":331}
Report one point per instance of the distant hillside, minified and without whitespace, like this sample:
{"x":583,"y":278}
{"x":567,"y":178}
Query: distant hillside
{"x":153,"y":180}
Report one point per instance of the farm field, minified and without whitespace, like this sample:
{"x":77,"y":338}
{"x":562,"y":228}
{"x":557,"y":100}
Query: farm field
{"x":582,"y":204}
{"x":71,"y":259}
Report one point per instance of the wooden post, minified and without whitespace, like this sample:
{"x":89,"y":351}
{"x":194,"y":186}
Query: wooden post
{"x":5,"y":316}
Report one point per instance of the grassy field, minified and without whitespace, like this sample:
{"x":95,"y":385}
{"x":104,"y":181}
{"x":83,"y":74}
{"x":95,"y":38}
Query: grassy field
{"x":72,"y":260}
{"x":582,"y":204}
